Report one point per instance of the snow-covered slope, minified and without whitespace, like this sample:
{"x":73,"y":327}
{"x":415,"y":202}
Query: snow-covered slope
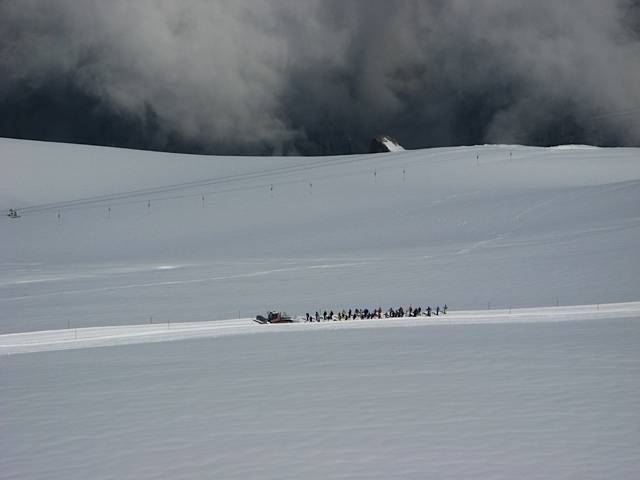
{"x":541,"y":400}
{"x":471,"y":227}
{"x":161,"y":260}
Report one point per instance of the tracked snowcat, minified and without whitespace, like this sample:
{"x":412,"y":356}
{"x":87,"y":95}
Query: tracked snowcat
{"x":274,"y":317}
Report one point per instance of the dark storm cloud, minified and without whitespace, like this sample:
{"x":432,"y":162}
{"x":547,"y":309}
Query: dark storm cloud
{"x":247,"y":76}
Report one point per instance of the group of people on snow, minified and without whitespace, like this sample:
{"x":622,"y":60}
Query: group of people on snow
{"x":365,"y":313}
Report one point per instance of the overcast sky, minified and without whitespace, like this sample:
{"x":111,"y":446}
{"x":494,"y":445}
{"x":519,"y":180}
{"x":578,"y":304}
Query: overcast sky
{"x":311,"y":77}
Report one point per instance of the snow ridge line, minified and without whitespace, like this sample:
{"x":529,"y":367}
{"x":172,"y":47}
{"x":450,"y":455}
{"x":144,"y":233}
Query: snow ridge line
{"x":52,"y":340}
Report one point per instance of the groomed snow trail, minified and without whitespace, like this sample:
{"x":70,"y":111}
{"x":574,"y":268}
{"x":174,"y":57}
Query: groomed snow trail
{"x":137,"y":334}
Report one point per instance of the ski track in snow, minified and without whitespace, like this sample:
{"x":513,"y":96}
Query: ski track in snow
{"x":136,"y":334}
{"x":536,"y":211}
{"x":165,"y":283}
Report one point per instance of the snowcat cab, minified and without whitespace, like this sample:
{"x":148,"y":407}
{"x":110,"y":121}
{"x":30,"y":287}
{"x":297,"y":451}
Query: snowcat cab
{"x":274,"y":317}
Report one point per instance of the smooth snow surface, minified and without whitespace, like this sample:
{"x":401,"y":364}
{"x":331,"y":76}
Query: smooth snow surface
{"x":127,"y":285}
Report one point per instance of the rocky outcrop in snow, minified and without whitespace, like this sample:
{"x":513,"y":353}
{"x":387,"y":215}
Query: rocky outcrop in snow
{"x":383,"y":144}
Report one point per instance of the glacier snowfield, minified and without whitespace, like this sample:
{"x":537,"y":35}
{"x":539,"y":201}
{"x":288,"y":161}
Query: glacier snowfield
{"x":128,"y":285}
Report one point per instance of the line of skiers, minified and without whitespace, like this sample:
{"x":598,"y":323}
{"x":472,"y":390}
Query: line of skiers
{"x":365,"y":313}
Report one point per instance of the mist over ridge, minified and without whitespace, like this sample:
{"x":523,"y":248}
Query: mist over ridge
{"x":257,"y":78}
